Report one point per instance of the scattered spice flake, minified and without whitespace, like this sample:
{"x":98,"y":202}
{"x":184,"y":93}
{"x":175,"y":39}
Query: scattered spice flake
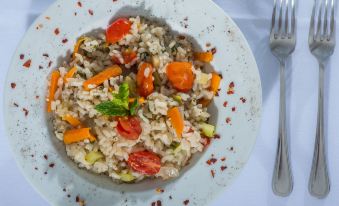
{"x":214,"y":50}
{"x":27,"y":64}
{"x":45,"y":55}
{"x":223,"y":159}
{"x":225,"y":104}
{"x":39,"y":26}
{"x":186,"y":18}
{"x":45,"y":157}
{"x":37,"y":97}
{"x":64,"y":189}
{"x":49,"y":64}
{"x":79,"y":4}
{"x":80,"y":201}
{"x":233,"y":109}
{"x":75,"y":13}
{"x":56,"y":31}
{"x":15,"y":104}
{"x":115,"y":0}
{"x":26,"y":111}
{"x":51,"y":165}
{"x":205,"y":141}
{"x":243,"y":99}
{"x":186,"y":202}
{"x":22,"y":56}
{"x":208,"y":44}
{"x":230,"y":89}
{"x":228,"y":120}
{"x":216,"y":136}
{"x":35,"y":168}
{"x":47,"y":17}
{"x":158,"y":203}
{"x":222,"y":168}
{"x":41,"y":67}
{"x":153,"y":204}
{"x":211,"y":161}
{"x":13,"y":85}
{"x":231,"y":148}
{"x":90,"y":11}
{"x":64,"y":41}
{"x":170,"y":197}
{"x":160,"y":190}
{"x":45,"y":173}
{"x":68,"y":195}
{"x":212,"y":173}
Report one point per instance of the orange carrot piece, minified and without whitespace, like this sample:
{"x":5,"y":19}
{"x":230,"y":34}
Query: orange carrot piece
{"x":176,"y":120}
{"x":77,"y":135}
{"x":78,"y":44}
{"x":52,"y":89}
{"x":206,"y":57}
{"x":215,"y":82}
{"x":70,"y":74}
{"x":71,"y":120}
{"x":98,"y":79}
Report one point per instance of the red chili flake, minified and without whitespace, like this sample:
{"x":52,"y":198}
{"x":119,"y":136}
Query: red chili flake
{"x":47,"y":17}
{"x":205,"y":141}
{"x":222,"y":168}
{"x":186,"y":202}
{"x":22,"y":56}
{"x":243,"y":99}
{"x":212,"y":173}
{"x":153,"y":204}
{"x":223,"y":159}
{"x":13,"y":85}
{"x":211,"y":161}
{"x":230,"y":89}
{"x":64,"y":41}
{"x":57,"y":31}
{"x":26,"y":111}
{"x":233,"y":109}
{"x":49,"y":64}
{"x":27,"y":64}
{"x":15,"y":104}
{"x":160,"y":190}
{"x":90,"y":11}
{"x":208,"y":44}
{"x":214,"y":50}
{"x":45,"y":55}
{"x":115,"y":0}
{"x":79,"y":4}
{"x":77,"y":198}
{"x":158,"y":203}
{"x":37,"y":97}
{"x":45,"y":157}
{"x":41,"y":67}
{"x":225,"y":104}
{"x":51,"y":165}
{"x":228,"y":120}
{"x":216,"y":136}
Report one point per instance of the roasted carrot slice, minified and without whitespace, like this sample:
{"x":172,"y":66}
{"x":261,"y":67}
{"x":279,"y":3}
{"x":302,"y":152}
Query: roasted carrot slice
{"x":215,"y":82}
{"x":52,"y":89}
{"x":177,"y":120}
{"x":78,"y":44}
{"x":180,"y":75}
{"x":70,"y":74}
{"x":203,"y":56}
{"x":71,"y":120}
{"x":77,"y":135}
{"x":98,"y":79}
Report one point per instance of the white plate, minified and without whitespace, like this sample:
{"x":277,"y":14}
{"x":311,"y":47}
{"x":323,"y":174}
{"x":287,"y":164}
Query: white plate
{"x":31,"y":138}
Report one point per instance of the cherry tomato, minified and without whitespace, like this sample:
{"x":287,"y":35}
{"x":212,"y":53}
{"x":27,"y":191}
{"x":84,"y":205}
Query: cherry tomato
{"x":129,"y":55}
{"x":145,"y":79}
{"x":180,"y":75}
{"x":129,"y":128}
{"x":144,"y":162}
{"x":117,"y":30}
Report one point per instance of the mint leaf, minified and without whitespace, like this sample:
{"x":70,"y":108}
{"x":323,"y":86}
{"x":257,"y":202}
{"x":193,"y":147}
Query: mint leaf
{"x":111,"y":109}
{"x":134,"y":107}
{"x":122,"y":97}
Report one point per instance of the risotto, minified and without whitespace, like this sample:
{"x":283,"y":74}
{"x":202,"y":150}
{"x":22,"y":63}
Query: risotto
{"x":132,"y":101}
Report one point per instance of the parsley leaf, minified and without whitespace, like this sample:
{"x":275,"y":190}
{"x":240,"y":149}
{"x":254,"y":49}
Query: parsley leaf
{"x":134,"y":107}
{"x":111,"y":109}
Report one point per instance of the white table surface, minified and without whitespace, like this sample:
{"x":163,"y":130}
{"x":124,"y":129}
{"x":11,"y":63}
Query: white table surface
{"x":253,"y":186}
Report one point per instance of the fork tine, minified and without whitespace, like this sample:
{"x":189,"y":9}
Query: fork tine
{"x":280,"y":18}
{"x":318,"y":32}
{"x":332,"y":23}
{"x":286,"y":17}
{"x":311,"y":34}
{"x":273,"y":16}
{"x":293,"y":17}
{"x":325,"y":30}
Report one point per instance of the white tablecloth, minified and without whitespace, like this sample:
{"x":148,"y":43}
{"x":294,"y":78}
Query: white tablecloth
{"x":253,"y":186}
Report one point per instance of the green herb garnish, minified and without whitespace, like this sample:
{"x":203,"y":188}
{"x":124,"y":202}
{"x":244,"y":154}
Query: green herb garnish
{"x":134,"y":107}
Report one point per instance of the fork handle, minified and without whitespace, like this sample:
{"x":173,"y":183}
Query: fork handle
{"x":282,"y":183}
{"x":319,"y":183}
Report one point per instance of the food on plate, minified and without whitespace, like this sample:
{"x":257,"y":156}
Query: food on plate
{"x":132,"y":102}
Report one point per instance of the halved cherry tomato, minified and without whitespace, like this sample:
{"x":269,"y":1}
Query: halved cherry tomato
{"x":180,"y":75}
{"x":145,"y":79}
{"x":117,"y":30}
{"x":129,"y":128}
{"x":144,"y":162}
{"x":129,"y":55}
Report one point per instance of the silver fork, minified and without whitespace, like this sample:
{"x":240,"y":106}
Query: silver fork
{"x":282,"y":43}
{"x":321,"y":41}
